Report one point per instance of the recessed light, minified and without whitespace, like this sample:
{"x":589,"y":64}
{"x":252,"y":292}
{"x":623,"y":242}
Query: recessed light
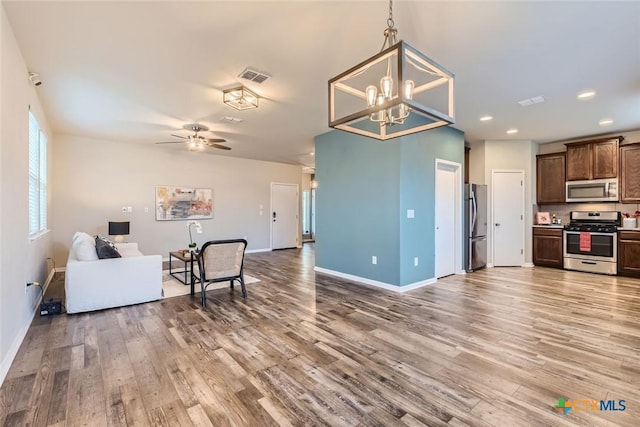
{"x":312,"y":153}
{"x":485,"y":118}
{"x":512,"y":131}
{"x":586,"y":94}
{"x":605,"y":122}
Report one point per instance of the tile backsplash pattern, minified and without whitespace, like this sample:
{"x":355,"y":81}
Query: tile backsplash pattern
{"x":562,"y":211}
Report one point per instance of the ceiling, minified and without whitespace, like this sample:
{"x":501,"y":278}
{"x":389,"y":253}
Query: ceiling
{"x":139,"y":71}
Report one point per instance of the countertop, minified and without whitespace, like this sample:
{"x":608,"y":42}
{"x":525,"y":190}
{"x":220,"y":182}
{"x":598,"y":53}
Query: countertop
{"x":560,"y":226}
{"x":628,"y":229}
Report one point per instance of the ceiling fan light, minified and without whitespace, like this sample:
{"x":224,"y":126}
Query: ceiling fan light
{"x":240,"y":98}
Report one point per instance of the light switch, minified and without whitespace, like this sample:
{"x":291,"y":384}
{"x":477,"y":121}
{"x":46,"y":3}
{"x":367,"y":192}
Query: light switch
{"x":146,"y":209}
{"x":374,"y":259}
{"x":129,"y":209}
{"x":410,"y":213}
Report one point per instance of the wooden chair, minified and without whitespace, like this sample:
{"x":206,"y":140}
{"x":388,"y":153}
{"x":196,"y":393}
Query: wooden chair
{"x":221,"y":261}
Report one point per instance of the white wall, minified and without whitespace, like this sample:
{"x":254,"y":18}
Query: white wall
{"x":513,"y":155}
{"x":94,"y":179}
{"x":21,"y":261}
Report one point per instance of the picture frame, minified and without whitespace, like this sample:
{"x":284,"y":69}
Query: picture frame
{"x":543,"y":218}
{"x":183,"y":203}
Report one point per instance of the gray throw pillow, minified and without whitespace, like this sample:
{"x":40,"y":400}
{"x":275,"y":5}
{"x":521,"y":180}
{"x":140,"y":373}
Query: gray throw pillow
{"x":105,"y":250}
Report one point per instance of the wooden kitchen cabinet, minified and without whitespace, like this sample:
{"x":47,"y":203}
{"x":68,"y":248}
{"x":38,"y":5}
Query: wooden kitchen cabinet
{"x":550,"y":177}
{"x":594,"y":159}
{"x":547,"y":247}
{"x":630,"y":173}
{"x":629,"y":253}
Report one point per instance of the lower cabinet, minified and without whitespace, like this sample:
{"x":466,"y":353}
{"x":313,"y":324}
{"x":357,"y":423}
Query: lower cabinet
{"x":629,"y":253}
{"x":547,"y":247}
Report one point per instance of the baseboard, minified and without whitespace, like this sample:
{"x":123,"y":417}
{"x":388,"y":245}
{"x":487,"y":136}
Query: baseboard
{"x":253,"y":251}
{"x":528,"y":265}
{"x":17,"y":342}
{"x":376,"y":283}
{"x":13,"y":349}
{"x":61,"y":269}
{"x":50,"y":278}
{"x":489,"y":265}
{"x":462,"y":272}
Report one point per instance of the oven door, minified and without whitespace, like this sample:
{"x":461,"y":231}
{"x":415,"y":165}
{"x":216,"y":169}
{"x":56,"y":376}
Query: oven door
{"x":601,"y":246}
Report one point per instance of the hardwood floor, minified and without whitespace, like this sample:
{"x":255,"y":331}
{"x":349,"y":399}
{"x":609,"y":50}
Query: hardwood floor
{"x":494,"y":348}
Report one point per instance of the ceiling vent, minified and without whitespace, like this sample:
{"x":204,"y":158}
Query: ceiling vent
{"x":531,"y":101}
{"x":229,"y":119}
{"x":253,"y":75}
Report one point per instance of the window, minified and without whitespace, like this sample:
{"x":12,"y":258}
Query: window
{"x":37,"y":178}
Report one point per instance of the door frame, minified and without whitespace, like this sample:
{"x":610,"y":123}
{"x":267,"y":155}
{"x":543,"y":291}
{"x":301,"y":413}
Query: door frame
{"x":458,"y":219}
{"x":522,"y":206}
{"x":298,"y":213}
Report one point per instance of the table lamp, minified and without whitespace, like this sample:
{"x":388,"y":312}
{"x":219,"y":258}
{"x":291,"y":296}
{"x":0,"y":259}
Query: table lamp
{"x":118,"y":229}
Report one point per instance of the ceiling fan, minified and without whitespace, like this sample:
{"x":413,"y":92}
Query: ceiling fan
{"x":196,"y":141}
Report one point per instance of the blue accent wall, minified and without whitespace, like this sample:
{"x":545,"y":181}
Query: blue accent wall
{"x":356,"y":205}
{"x":365,"y":187}
{"x":417,"y":191}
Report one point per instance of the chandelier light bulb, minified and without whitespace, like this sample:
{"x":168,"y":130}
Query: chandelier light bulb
{"x":408,"y":89}
{"x":386,"y":85}
{"x":371,"y":93}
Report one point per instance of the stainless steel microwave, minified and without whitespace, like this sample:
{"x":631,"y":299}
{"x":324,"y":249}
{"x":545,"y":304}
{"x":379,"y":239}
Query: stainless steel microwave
{"x":597,"y":190}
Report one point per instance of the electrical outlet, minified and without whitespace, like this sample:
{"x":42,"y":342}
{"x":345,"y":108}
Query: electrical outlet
{"x":415,"y":261}
{"x":411,"y":213}
{"x":374,"y":259}
{"x":146,"y":209}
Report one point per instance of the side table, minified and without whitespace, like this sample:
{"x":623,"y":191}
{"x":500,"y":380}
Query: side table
{"x":186,"y":275}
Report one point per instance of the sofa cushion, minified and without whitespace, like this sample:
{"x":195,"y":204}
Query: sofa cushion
{"x":81,"y":236}
{"x":85,"y":250}
{"x":105,"y":250}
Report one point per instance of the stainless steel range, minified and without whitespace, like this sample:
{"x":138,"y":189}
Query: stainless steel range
{"x":591,"y":242}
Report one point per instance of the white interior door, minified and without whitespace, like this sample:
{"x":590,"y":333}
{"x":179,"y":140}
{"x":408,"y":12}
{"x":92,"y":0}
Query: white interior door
{"x":284,"y":216}
{"x":445,"y":217}
{"x":508,"y":218}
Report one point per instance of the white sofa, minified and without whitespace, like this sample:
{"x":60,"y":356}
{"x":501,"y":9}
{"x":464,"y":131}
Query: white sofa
{"x":96,"y":284}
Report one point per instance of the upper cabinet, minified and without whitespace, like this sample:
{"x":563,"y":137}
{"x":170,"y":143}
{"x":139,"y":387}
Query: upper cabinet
{"x":550,"y":169}
{"x":595,"y":159}
{"x":629,"y":173}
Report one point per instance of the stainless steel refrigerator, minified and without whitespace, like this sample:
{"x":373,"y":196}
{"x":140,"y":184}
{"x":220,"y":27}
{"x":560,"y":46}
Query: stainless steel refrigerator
{"x":475,"y":226}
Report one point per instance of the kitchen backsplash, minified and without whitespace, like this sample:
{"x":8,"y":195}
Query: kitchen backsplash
{"x":562,"y":211}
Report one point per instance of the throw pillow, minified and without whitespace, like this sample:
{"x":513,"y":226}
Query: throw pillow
{"x":105,"y":250}
{"x":85,"y":251}
{"x":79,"y":235}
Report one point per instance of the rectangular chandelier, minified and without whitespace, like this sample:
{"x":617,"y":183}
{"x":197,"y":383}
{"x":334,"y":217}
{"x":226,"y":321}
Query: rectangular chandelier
{"x":240,"y":98}
{"x":396,"y":92}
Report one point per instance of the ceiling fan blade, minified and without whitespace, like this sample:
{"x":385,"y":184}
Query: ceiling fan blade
{"x":179,"y":136}
{"x":170,"y":142}
{"x":221,"y":147}
{"x":216,"y":140}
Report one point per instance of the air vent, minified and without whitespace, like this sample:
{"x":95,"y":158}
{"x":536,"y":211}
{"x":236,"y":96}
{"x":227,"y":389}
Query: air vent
{"x":253,"y":75}
{"x":531,"y":101}
{"x":230,"y":119}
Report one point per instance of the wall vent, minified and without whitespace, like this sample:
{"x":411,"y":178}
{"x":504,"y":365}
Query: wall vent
{"x":253,"y":75}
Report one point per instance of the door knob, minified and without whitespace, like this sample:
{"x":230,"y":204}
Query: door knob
{"x":497,"y":224}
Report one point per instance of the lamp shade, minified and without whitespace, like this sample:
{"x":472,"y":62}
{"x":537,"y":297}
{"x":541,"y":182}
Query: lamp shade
{"x":119,"y":228}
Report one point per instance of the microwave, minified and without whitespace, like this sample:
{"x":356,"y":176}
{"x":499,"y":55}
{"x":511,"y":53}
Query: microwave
{"x":597,"y":190}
